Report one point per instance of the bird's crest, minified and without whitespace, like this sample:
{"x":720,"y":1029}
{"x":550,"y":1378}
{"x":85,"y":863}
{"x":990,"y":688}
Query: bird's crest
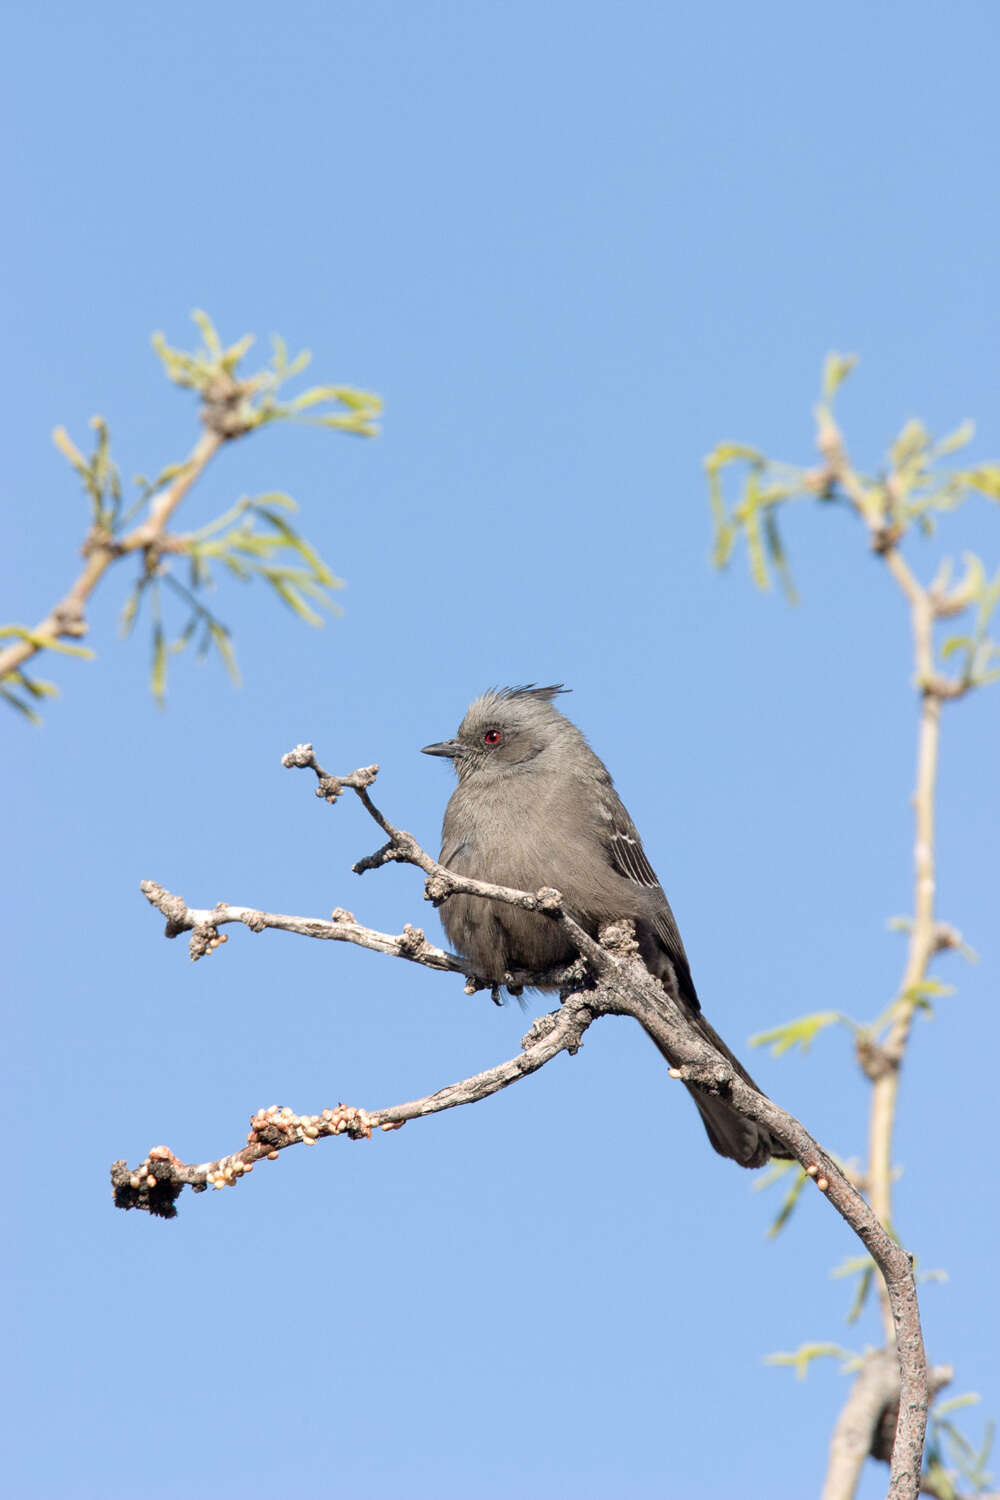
{"x":529,"y":690}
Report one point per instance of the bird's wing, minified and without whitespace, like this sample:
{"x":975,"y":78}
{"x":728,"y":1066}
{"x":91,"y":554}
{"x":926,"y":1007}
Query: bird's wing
{"x":628,"y":856}
{"x":629,"y":859}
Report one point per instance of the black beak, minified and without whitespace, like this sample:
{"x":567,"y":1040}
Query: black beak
{"x":447,"y":748}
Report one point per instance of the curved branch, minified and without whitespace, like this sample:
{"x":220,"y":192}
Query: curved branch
{"x":619,"y":985}
{"x":68,"y":617}
{"x":157,"y":1182}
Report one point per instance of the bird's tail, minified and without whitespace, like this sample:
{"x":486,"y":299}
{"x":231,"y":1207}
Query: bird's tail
{"x":731,"y":1133}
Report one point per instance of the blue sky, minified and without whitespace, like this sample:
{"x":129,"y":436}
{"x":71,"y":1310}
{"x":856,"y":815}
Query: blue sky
{"x":573,"y":247}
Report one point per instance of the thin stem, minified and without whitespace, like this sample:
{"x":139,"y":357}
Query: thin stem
{"x":885,"y":1089}
{"x":68,"y":617}
{"x":888,"y":1057}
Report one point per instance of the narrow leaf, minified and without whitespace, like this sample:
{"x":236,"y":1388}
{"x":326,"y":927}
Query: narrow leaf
{"x":960,"y":438}
{"x":70,"y":451}
{"x":836,"y":369}
{"x":798,"y":1033}
{"x":158,"y":676}
{"x":207,"y":329}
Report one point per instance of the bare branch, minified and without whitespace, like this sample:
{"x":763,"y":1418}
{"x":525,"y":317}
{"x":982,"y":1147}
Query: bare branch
{"x":203,"y":924}
{"x":866,"y":1427}
{"x":157,"y":1182}
{"x":874,"y":1389}
{"x":403,"y":848}
{"x":619,"y":985}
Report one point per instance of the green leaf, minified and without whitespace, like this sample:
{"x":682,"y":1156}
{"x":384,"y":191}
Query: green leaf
{"x":158,"y":676}
{"x":181,"y":368}
{"x":727,"y":453}
{"x":788,"y":1204}
{"x":749,"y":513}
{"x":70,"y":451}
{"x":802,"y":1358}
{"x":989,"y":597}
{"x":922,"y":993}
{"x":956,"y":1403}
{"x":777,"y":555}
{"x":232,"y":356}
{"x":317,"y":394}
{"x":836,"y":369}
{"x":303,"y":548}
{"x":184,"y":639}
{"x":938,"y":1480}
{"x":865,"y":1283}
{"x":301,"y":362}
{"x":285,"y":590}
{"x":233,"y":513}
{"x":274,"y":497}
{"x":16,"y":702}
{"x":166,"y":475}
{"x":36,"y":686}
{"x":908,"y":451}
{"x":220,"y":635}
{"x":47,"y":642}
{"x":360,"y":425}
{"x":801,"y":1032}
{"x":985,"y":479}
{"x":851,"y":1266}
{"x":207,"y":329}
{"x":960,"y":438}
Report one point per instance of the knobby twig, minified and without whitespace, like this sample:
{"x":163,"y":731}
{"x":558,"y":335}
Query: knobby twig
{"x":158,"y":1181}
{"x":609,"y":979}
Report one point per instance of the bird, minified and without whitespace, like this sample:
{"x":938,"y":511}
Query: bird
{"x":535,"y":807}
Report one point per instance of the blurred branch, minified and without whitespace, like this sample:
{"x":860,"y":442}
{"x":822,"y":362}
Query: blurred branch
{"x":231,"y":406}
{"x":882,"y":1060}
{"x":613,"y":981}
{"x":911,"y":492}
{"x":866,"y":1427}
{"x":67,"y":618}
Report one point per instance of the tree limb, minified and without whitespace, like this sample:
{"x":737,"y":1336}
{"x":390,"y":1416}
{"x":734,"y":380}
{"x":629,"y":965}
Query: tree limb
{"x":68,"y":618}
{"x":158,"y":1181}
{"x":617,"y":983}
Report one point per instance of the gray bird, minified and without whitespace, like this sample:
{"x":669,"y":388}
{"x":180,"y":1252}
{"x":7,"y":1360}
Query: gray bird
{"x":535,"y":807}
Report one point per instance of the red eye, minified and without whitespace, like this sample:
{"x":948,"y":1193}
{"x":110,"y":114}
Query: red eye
{"x":492,"y":737}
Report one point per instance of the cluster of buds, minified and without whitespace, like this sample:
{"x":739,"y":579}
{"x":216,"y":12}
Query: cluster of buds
{"x":227,"y":1171}
{"x":145,"y":1175}
{"x":205,"y":939}
{"x":821,"y":1182}
{"x":279,"y":1126}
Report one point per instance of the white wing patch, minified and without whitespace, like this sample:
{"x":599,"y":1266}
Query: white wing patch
{"x":630,"y":860}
